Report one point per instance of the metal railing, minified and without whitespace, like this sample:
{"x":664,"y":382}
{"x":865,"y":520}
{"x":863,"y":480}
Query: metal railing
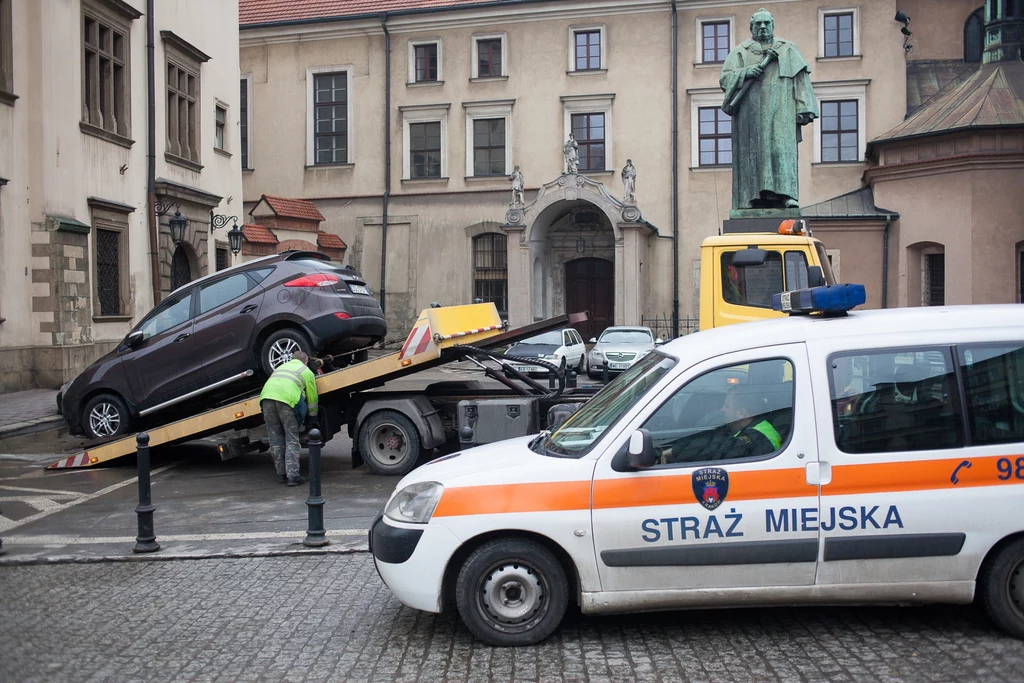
{"x":661,"y":325}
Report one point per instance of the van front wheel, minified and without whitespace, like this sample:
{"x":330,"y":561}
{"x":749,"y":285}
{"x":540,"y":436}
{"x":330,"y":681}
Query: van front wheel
{"x":1002,"y":588}
{"x":512,"y":592}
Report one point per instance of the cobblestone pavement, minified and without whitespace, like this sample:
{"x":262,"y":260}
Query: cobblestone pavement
{"x":329,"y":618}
{"x":27,"y":408}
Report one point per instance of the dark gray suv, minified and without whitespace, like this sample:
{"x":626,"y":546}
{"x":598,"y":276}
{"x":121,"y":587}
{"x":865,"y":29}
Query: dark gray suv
{"x":219,"y":336}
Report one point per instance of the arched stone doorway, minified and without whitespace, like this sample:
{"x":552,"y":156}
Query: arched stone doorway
{"x":181,"y":267}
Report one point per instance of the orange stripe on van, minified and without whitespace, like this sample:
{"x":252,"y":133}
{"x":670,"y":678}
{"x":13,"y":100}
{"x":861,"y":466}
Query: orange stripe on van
{"x":507,"y":498}
{"x":674,"y":490}
{"x":919,"y":475}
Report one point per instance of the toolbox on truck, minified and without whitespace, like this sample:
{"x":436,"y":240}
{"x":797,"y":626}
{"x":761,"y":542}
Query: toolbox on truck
{"x":496,"y":419}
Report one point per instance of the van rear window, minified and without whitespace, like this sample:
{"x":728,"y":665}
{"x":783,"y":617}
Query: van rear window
{"x":891,"y":401}
{"x":994,"y":384}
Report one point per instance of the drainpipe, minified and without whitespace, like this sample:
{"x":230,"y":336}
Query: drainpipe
{"x":154,"y":255}
{"x":387,"y":158}
{"x":675,"y":173}
{"x":885,"y":261}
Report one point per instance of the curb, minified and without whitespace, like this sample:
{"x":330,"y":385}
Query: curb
{"x":28,"y":426}
{"x":8,"y":561}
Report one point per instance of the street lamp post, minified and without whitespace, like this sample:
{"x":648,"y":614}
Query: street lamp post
{"x":178,"y":223}
{"x":234,"y":234}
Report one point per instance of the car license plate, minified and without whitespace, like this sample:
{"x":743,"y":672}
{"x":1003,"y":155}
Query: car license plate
{"x":527,"y":368}
{"x":618,"y":366}
{"x":359,"y":289}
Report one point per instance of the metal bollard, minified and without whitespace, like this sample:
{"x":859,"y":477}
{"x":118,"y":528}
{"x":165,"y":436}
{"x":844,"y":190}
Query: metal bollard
{"x":570,"y":380}
{"x":604,"y":372}
{"x":316,"y":535}
{"x":145,"y":542}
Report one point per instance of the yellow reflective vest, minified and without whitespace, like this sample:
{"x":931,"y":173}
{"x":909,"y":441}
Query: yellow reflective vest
{"x":287,"y":384}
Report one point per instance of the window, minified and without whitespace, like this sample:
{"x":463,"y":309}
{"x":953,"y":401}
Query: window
{"x":221,"y":292}
{"x":839,"y":33}
{"x":106,"y":76}
{"x":891,"y":401}
{"x":752,"y":285}
{"x":839,"y":131}
{"x":714,"y":136}
{"x":220,"y":117}
{"x":183,"y":101}
{"x":588,"y":129}
{"x":6,"y":54}
{"x":425,"y":150}
{"x":169,"y":315}
{"x":588,"y":50}
{"x":223,"y":260}
{"x":732,"y":413}
{"x":714,"y":41}
{"x":330,"y":118}
{"x":425,"y":62}
{"x":111,"y":292}
{"x":489,"y":58}
{"x":490,"y":270}
{"x":243,"y":123}
{"x":796,"y":270}
{"x":974,"y":36}
{"x":488,"y":147}
{"x":933,"y":280}
{"x":994,"y":385}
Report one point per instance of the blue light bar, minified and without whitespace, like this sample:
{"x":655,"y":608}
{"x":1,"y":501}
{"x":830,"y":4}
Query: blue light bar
{"x":827,"y":299}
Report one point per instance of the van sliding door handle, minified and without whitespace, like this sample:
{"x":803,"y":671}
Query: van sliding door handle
{"x":182,"y":337}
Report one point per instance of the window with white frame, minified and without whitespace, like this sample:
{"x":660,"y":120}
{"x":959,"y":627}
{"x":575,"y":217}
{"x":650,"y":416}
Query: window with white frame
{"x":425,"y":142}
{"x":589,"y":119}
{"x":714,"y":39}
{"x":588,"y":49}
{"x":220,"y":123}
{"x":245,"y":121}
{"x":838,"y":33}
{"x":488,"y":138}
{"x":425,"y":61}
{"x":490,"y":56}
{"x":328,"y":116}
{"x":839,"y":132}
{"x":710,"y":129}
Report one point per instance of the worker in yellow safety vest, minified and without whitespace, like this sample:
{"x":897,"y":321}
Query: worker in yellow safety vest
{"x":289,"y":384}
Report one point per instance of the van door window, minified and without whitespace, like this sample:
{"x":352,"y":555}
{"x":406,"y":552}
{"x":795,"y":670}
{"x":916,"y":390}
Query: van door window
{"x":796,"y":270}
{"x":752,"y":285}
{"x":890,"y":401}
{"x":732,"y":413}
{"x":994,"y":383}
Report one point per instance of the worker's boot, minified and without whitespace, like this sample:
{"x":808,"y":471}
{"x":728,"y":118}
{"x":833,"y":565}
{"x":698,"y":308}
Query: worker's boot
{"x":282,"y":478}
{"x":295,"y":481}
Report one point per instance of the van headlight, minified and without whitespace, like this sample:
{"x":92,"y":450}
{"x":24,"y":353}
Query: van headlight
{"x":415,"y":503}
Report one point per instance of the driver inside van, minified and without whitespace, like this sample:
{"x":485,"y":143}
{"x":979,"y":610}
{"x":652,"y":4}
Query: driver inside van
{"x":743,"y":433}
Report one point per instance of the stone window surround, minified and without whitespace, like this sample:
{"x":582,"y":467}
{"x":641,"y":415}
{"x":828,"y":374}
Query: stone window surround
{"x":311,"y":74}
{"x":112,"y":217}
{"x":842,"y":90}
{"x":183,"y":55}
{"x":247,"y":78}
{"x":822,"y":13}
{"x":7,"y":95}
{"x":119,"y":15}
{"x":475,"y":40}
{"x":699,"y":34}
{"x":219,"y":104}
{"x":591,"y":104}
{"x":572,"y":31}
{"x":701,"y":98}
{"x":424,"y":113}
{"x":489,"y":109}
{"x":411,"y":77}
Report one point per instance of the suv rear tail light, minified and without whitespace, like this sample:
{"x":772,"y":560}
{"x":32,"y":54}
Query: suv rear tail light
{"x":314,"y":280}
{"x":342,"y":315}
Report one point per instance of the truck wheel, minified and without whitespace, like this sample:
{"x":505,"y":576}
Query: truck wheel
{"x":105,"y":416}
{"x":1002,"y":588}
{"x":389,"y":443}
{"x":279,"y":347}
{"x":512,"y":592}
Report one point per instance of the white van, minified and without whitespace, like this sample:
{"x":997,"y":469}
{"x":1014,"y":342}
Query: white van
{"x":876,"y":457}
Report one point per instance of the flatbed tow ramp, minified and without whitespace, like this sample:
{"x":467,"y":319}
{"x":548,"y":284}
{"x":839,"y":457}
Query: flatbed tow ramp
{"x":433,"y":341}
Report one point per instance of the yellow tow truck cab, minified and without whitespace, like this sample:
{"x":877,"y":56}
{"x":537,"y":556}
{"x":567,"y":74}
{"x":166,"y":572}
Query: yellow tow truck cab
{"x":739,"y":272}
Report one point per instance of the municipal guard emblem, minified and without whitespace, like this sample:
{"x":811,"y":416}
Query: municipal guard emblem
{"x":710,"y":486}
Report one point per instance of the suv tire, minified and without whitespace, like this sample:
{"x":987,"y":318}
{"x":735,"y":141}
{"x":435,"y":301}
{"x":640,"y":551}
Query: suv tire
{"x":282,"y":344}
{"x":389,"y":443}
{"x":105,"y":416}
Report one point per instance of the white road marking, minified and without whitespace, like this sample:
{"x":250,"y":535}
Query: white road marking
{"x":51,"y":492}
{"x":8,"y":524}
{"x":184,"y":538}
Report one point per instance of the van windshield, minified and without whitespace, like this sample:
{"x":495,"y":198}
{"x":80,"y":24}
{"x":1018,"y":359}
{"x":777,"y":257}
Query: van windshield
{"x":576,"y":436}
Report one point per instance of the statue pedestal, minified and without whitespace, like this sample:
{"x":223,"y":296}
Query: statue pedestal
{"x":762,"y":224}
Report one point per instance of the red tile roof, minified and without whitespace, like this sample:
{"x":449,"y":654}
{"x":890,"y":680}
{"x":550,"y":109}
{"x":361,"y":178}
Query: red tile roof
{"x":258,"y":12}
{"x":292,"y":208}
{"x":329,"y":240}
{"x":298,"y":245}
{"x":257,"y":234}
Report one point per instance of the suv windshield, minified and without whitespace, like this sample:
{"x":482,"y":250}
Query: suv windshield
{"x":574,"y":438}
{"x":626,"y":337}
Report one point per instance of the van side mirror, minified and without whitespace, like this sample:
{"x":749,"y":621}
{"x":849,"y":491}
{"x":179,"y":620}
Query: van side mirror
{"x":749,"y":257}
{"x":640,"y":451}
{"x":135,"y":338}
{"x":815,"y":277}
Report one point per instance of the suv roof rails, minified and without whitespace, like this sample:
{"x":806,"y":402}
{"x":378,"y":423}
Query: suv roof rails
{"x":294,"y":254}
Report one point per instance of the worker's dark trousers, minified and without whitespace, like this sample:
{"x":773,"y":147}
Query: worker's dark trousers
{"x":283,"y":429}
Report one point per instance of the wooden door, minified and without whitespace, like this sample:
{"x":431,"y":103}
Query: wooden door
{"x":590,"y":286}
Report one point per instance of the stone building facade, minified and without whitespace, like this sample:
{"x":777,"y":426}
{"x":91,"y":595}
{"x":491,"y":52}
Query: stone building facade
{"x":76,"y":238}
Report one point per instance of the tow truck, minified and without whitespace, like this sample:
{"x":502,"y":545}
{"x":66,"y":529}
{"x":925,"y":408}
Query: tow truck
{"x":392,"y":429}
